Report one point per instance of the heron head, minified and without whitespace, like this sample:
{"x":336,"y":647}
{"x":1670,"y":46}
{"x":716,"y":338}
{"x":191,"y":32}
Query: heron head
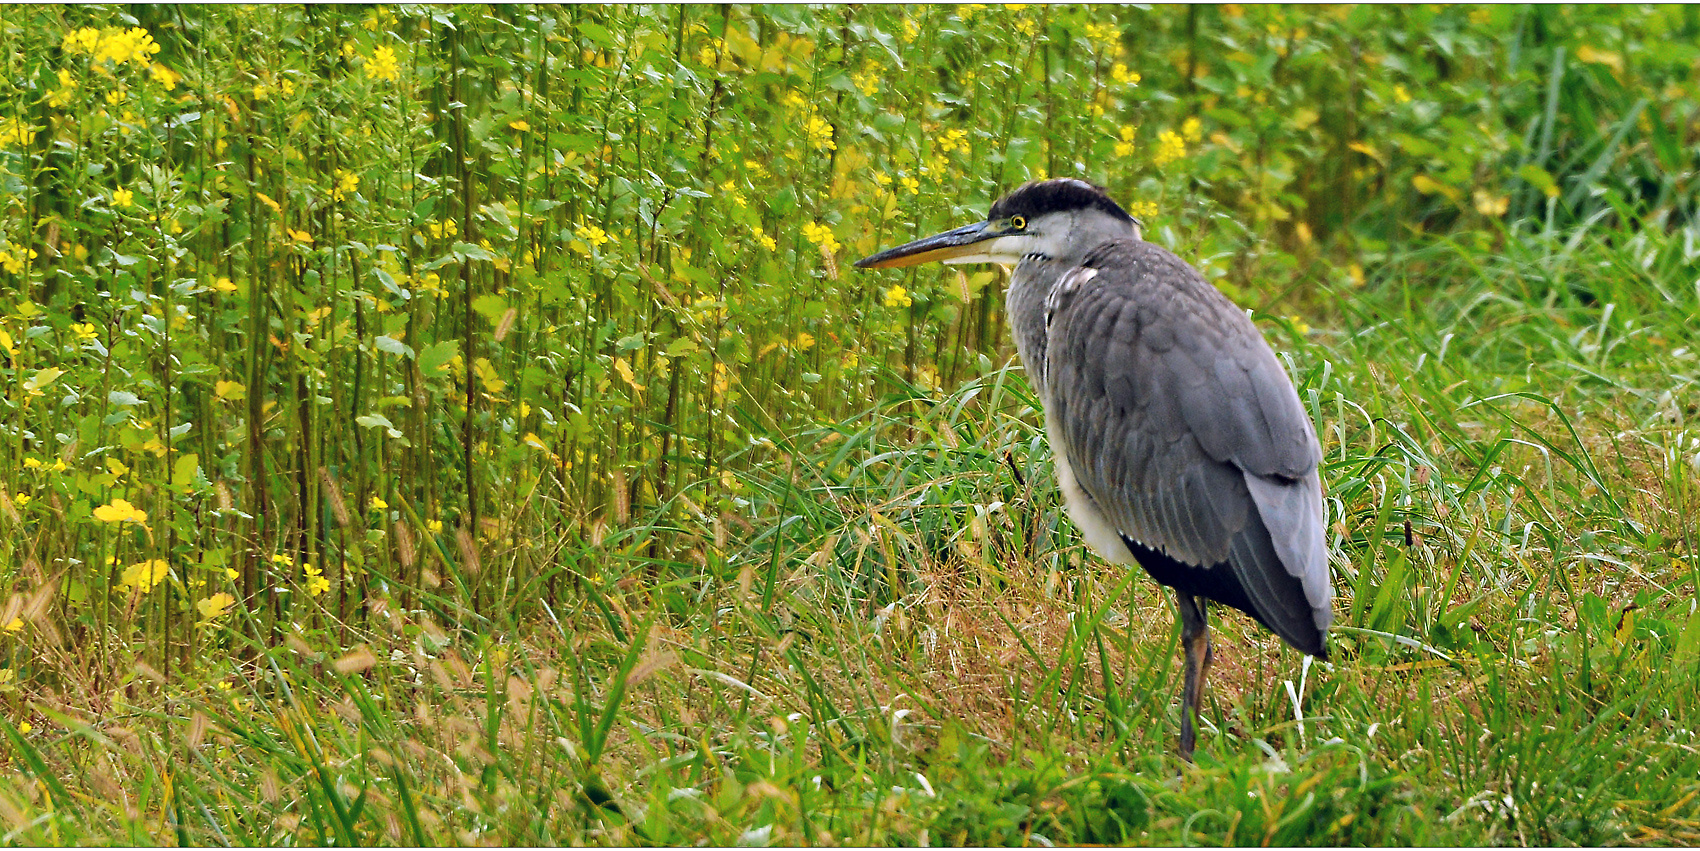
{"x":1058,"y":218}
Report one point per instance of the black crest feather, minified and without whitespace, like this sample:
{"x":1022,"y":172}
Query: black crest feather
{"x":1057,"y":194}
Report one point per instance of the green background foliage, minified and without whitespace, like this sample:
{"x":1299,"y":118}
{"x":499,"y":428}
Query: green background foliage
{"x":463,"y":425}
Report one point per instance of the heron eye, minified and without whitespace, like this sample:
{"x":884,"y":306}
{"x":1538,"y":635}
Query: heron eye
{"x":1018,"y":222}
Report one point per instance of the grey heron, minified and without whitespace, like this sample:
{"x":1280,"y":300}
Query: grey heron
{"x":1179,"y":442}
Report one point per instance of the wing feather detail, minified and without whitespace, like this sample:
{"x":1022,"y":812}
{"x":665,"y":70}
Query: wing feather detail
{"x":1183,"y":429}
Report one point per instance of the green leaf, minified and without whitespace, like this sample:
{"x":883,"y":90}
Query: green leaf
{"x":437,"y":355}
{"x":186,"y":470}
{"x":393,"y":346}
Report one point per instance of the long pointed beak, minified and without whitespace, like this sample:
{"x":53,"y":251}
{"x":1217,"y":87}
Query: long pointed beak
{"x":936,"y":248}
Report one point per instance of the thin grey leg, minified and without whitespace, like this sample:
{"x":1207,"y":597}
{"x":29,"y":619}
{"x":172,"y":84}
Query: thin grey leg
{"x":1195,"y":643}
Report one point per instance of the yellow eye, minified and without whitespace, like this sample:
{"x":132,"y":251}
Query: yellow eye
{"x":1018,"y":222}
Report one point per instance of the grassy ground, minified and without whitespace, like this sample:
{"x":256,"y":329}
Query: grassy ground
{"x":686,"y":538}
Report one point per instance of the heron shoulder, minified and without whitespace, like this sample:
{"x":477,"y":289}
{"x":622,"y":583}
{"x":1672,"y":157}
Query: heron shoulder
{"x":1148,"y":333}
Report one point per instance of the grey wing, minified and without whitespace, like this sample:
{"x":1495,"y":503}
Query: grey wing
{"x":1180,"y":425}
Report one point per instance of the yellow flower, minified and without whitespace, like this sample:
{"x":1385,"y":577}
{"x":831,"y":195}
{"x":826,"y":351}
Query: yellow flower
{"x":591,"y":237}
{"x":131,"y":45}
{"x":1142,"y":209}
{"x":300,"y":236}
{"x":911,"y":184}
{"x":316,"y":582}
{"x":81,"y":41}
{"x":821,"y":235}
{"x":954,"y":139}
{"x":14,"y":625}
{"x":14,"y":263}
{"x":346,"y":182}
{"x":1192,"y":130}
{"x":16,"y":133}
{"x":216,"y":606}
{"x":819,"y":131}
{"x":805,"y":341}
{"x":1170,"y":147}
{"x":1400,"y":95}
{"x":165,"y":76}
{"x":123,"y":197}
{"x":1121,"y":74}
{"x":519,"y":124}
{"x":1124,"y":144}
{"x":868,"y":82}
{"x":224,"y":285}
{"x":144,"y":575}
{"x":897,"y":296}
{"x":383,"y":65}
{"x":378,"y":504}
{"x":120,"y":511}
{"x":763,"y":239}
{"x":67,"y":89}
{"x":22,"y":499}
{"x":25,"y":726}
{"x":434,"y":526}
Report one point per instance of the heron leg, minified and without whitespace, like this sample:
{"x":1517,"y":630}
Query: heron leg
{"x":1195,"y":643}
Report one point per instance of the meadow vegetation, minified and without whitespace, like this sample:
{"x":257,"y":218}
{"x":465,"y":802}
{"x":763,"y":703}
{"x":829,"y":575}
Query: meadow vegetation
{"x":463,"y":426}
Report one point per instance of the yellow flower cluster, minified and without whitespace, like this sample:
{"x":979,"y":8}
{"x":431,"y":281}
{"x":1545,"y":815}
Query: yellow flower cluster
{"x":897,"y":296}
{"x":821,"y":235}
{"x":15,"y":132}
{"x":1170,"y":147}
{"x":67,"y":89}
{"x":954,"y":139}
{"x":317,"y":584}
{"x":346,"y":182}
{"x":116,"y":46}
{"x":868,"y":81}
{"x":819,"y":131}
{"x":1142,"y":210}
{"x":1124,"y":143}
{"x":438,"y":230}
{"x":763,"y":239}
{"x":1192,"y":129}
{"x":383,"y":65}
{"x":1105,"y":34}
{"x":594,"y":236}
{"x":13,"y":258}
{"x":1121,"y":74}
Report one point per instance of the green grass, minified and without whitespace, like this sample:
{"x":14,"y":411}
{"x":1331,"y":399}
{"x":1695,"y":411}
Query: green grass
{"x":720,"y":542}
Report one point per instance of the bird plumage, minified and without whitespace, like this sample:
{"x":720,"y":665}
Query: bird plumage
{"x":1180,"y":443}
{"x":1180,"y":426}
